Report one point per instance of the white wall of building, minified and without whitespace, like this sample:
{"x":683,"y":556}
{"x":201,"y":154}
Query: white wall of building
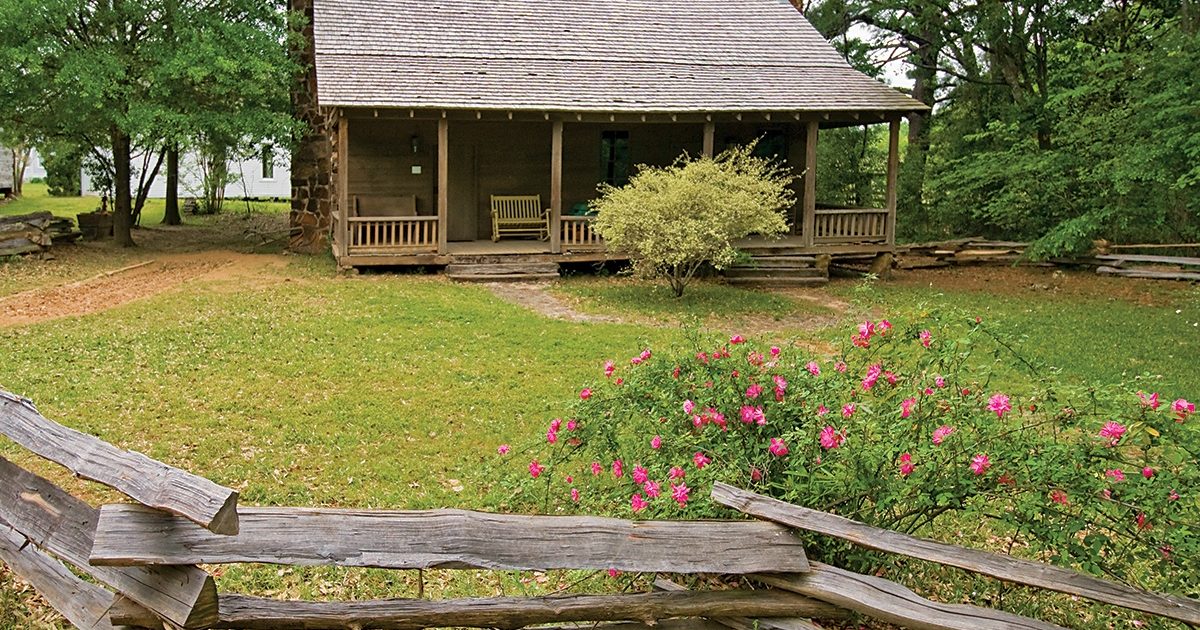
{"x":251,"y":179}
{"x":6,"y":169}
{"x":34,"y":170}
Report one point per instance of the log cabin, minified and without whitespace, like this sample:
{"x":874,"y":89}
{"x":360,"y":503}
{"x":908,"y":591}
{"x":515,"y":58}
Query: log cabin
{"x":436,"y":109}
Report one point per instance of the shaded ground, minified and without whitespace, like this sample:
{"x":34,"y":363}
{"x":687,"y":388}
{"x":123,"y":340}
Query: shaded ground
{"x":93,"y":276}
{"x":1042,"y":282}
{"x":141,"y":280}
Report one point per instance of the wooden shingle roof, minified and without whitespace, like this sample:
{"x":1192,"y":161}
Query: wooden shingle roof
{"x":585,"y":56}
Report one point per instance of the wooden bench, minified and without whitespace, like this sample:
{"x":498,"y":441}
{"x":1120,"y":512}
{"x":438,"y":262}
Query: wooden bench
{"x":519,"y":215}
{"x":383,"y":206}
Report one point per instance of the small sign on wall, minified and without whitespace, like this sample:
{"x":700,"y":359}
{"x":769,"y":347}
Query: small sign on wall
{"x":416,"y":169}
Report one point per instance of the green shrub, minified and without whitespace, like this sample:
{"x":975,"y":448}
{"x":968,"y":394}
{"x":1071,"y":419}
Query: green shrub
{"x":905,"y":430}
{"x":674,"y":219}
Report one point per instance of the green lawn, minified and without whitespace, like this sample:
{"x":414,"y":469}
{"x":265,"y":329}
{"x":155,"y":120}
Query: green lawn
{"x":393,"y":391}
{"x":35,"y":198}
{"x":706,"y":301}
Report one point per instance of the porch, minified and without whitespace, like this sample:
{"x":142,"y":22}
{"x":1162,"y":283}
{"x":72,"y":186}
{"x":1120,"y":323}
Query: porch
{"x":401,"y":201}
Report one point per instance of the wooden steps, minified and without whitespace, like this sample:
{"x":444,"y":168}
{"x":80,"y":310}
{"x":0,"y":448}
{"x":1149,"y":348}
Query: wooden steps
{"x":507,"y":271}
{"x":778,"y":270}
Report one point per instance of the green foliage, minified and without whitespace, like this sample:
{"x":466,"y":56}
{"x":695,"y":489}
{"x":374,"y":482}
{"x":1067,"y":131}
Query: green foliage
{"x":214,"y":176}
{"x":63,"y":163}
{"x":674,"y":219}
{"x":1109,"y":152}
{"x":905,"y":429}
{"x":852,"y":167}
{"x":150,"y":72}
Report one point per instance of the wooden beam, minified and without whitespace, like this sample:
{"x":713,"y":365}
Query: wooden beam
{"x":556,"y":171}
{"x":683,"y":623}
{"x":809,"y":207}
{"x":891,"y":602}
{"x":443,"y":183}
{"x":135,"y":535}
{"x":126,"y":612}
{"x":83,"y":604}
{"x":343,"y":180}
{"x":710,"y":133}
{"x":746,"y":623}
{"x":893,"y":170}
{"x":145,"y":480}
{"x":254,"y":613}
{"x":998,"y":566}
{"x":828,"y":119}
{"x":63,"y":525}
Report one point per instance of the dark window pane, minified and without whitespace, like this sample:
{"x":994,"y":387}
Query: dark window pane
{"x":614,"y":157}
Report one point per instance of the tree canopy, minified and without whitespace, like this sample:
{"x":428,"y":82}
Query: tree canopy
{"x":1058,"y":121}
{"x":110,"y":75}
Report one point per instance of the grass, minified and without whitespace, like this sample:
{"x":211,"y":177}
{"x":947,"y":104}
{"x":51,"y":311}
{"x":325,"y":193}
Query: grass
{"x":702,"y":300}
{"x":36,"y":198}
{"x":1093,"y":338}
{"x":392,"y":391}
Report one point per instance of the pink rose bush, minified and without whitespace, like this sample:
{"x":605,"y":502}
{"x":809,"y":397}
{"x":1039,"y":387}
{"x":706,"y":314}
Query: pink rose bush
{"x":927,"y":431}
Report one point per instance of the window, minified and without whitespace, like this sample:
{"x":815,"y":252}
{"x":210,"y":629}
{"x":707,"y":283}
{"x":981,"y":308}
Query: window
{"x":614,"y":157}
{"x":268,"y":162}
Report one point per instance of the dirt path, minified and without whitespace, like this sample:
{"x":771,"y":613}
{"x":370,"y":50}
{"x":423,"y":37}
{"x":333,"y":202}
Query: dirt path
{"x":535,"y":297}
{"x":134,"y":282}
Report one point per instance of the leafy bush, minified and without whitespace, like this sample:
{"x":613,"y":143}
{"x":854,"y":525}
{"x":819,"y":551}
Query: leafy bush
{"x":63,"y":162}
{"x":909,"y":429}
{"x":674,"y":219}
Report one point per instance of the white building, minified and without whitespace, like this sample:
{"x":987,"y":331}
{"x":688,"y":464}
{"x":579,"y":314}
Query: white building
{"x":267,"y":176}
{"x":34,"y":169}
{"x":7,"y":172}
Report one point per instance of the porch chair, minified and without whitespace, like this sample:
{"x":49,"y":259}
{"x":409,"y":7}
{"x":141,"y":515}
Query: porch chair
{"x":519,"y":215}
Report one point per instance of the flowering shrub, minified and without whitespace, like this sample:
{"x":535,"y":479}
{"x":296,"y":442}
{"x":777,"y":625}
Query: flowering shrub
{"x":671,"y":220}
{"x":910,"y":426}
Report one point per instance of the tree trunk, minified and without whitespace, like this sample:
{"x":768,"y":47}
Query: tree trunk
{"x":172,"y":216}
{"x":122,"y":195}
{"x":143,"y":189}
{"x":20,"y":163}
{"x":912,"y":184}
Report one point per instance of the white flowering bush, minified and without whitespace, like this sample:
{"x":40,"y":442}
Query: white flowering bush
{"x":674,"y":219}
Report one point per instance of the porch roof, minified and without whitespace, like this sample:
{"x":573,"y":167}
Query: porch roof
{"x":585,"y":56}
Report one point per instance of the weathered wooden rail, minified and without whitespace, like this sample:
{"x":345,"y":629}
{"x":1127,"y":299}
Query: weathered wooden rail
{"x":143,"y":558}
{"x":578,"y":233}
{"x":371,"y":235}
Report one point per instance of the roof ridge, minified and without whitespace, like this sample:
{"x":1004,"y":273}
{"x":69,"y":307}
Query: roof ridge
{"x":662,"y":62}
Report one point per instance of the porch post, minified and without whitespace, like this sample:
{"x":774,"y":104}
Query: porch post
{"x":710,"y":132}
{"x":443,"y":181}
{"x":343,"y":184}
{"x":556,"y":150}
{"x":810,"y":183}
{"x":893,"y":169}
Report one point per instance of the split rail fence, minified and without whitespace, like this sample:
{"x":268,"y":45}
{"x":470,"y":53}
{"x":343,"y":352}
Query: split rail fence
{"x":143,"y":557}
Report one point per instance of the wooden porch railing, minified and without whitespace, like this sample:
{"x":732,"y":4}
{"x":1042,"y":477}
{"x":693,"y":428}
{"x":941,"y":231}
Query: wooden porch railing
{"x":850,"y":225}
{"x":386,"y":234}
{"x":578,"y":234}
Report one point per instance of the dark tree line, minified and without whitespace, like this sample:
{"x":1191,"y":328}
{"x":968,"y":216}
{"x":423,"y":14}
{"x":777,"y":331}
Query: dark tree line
{"x":1059,"y":121}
